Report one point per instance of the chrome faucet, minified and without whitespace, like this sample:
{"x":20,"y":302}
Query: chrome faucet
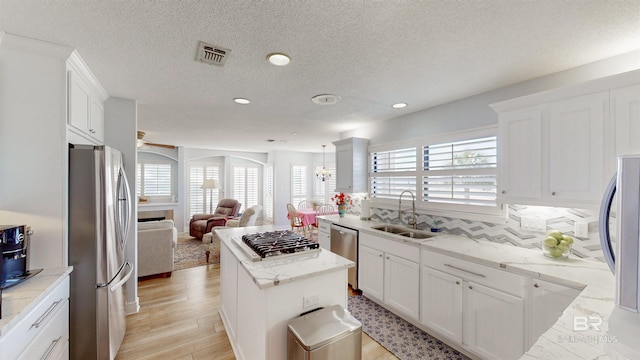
{"x":414,"y":220}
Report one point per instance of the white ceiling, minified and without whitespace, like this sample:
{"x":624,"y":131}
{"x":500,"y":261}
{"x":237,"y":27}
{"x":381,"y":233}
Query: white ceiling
{"x":371,"y":53}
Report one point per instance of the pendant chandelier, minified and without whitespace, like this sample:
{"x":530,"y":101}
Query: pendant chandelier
{"x":323,"y":174}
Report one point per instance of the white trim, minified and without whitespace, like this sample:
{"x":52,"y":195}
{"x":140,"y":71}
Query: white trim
{"x":78,"y":64}
{"x":490,"y":130}
{"x":584,"y":88}
{"x":33,"y":46}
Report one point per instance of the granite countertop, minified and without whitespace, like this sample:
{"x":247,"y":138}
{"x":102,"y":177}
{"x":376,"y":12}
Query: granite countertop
{"x":276,"y":271}
{"x":19,"y":300}
{"x":561,"y":341}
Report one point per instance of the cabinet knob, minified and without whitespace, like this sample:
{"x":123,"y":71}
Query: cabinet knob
{"x":387,"y":258}
{"x":470,"y":287}
{"x":553,"y":193}
{"x":503,"y":191}
{"x":457,"y":282}
{"x":536,"y":285}
{"x":380,"y":255}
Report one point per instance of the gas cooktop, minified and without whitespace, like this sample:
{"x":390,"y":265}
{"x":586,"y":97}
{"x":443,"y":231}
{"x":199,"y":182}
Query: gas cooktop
{"x":276,"y":244}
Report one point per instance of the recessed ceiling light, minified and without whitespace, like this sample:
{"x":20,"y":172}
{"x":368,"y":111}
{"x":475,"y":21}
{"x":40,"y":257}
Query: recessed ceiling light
{"x":278,"y":59}
{"x":399,"y":105}
{"x":242,"y":101}
{"x":326,"y":99}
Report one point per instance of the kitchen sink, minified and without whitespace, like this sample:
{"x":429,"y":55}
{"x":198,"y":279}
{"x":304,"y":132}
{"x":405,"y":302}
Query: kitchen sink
{"x":403,"y":231}
{"x":390,"y":229}
{"x":416,"y":235}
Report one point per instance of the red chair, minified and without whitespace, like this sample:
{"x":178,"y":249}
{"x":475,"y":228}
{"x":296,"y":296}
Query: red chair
{"x":201,"y":224}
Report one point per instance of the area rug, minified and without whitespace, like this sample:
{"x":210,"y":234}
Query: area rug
{"x":191,"y":252}
{"x":404,"y":340}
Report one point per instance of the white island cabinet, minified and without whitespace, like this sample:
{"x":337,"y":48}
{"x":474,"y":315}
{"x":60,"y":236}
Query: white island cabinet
{"x":258,"y":299}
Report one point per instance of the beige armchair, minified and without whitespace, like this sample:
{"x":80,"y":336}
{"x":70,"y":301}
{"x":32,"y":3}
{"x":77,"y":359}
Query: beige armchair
{"x":157,"y":241}
{"x":248,"y":218}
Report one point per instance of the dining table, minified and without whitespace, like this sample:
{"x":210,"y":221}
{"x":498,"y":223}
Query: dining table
{"x":308,"y":216}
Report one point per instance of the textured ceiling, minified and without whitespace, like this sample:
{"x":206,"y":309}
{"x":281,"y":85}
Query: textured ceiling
{"x":371,"y":53}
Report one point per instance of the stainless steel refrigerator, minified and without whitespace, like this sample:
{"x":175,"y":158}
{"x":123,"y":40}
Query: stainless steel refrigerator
{"x":99,"y":218}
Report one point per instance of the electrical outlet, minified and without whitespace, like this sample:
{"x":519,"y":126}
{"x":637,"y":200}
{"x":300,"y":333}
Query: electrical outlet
{"x":533,"y":224}
{"x":308,"y":301}
{"x":581,"y":229}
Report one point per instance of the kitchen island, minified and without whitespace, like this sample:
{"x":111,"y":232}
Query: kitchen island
{"x":259,"y":298}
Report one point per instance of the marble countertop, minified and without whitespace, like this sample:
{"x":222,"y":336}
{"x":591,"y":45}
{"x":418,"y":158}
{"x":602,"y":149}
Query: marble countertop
{"x":19,"y":300}
{"x":561,"y":341}
{"x":276,"y":271}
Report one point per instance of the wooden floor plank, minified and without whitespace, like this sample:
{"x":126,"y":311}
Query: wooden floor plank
{"x":179,"y":319}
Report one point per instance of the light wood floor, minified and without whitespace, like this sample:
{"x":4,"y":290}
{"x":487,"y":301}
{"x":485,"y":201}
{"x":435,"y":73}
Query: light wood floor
{"x":179,"y":319}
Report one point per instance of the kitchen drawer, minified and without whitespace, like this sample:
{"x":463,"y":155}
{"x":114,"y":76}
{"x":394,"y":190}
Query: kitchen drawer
{"x":495,"y":278}
{"x":397,"y":248}
{"x":324,"y":226}
{"x":30,"y":327}
{"x":52,"y":339}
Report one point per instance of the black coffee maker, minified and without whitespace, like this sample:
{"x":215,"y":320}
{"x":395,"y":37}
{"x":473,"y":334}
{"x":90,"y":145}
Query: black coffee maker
{"x":14,"y":240}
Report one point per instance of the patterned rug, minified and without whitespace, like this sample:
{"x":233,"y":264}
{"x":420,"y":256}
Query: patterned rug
{"x":191,"y":252}
{"x":398,"y":336}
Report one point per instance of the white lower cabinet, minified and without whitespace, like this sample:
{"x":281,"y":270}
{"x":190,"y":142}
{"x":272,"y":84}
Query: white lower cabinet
{"x":441,"y":305}
{"x":547,"y":301}
{"x":402,"y":284}
{"x":371,"y":272}
{"x":389,"y":272}
{"x":493,"y":322}
{"x":324,"y":234}
{"x":478,"y":308}
{"x":44,"y":332}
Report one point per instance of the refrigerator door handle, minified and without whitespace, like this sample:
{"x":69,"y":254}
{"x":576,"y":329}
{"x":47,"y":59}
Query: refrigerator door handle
{"x":123,"y":229}
{"x":605,"y":211}
{"x":117,"y":285}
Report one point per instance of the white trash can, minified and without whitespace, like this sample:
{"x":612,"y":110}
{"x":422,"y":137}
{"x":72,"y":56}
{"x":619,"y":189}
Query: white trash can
{"x":325,"y":334}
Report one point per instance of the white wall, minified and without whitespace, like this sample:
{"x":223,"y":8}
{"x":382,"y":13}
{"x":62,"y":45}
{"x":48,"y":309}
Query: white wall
{"x":474,"y":111}
{"x":120,"y":126}
{"x":33,"y":148}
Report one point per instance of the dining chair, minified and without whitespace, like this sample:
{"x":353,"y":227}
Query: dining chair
{"x":305,"y":204}
{"x":295,"y":220}
{"x":324,"y":209}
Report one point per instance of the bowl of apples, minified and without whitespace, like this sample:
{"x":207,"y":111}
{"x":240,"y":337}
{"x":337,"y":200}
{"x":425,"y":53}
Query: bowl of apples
{"x":556,"y":245}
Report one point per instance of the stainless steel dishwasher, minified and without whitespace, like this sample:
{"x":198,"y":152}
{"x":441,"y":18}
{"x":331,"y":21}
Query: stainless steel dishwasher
{"x":344,"y":242}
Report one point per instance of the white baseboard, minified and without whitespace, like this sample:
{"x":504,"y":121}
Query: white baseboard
{"x":131,"y":308}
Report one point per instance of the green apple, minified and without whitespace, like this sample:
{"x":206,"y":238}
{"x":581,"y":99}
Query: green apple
{"x":564,"y":245}
{"x":550,"y":242}
{"x":555,"y":252}
{"x":568,"y":239}
{"x":556,"y":234}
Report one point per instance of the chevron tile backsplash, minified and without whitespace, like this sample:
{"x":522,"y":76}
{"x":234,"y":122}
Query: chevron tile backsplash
{"x":562,"y":219}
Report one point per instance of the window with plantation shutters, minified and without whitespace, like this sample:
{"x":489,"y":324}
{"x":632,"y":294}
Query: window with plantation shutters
{"x":392,"y":172}
{"x":460,"y":172}
{"x":269,"y":192}
{"x":154,"y":179}
{"x":245,"y":185}
{"x":298,"y":184}
{"x":202,"y":201}
{"x":324,"y":190}
{"x":450,"y":174}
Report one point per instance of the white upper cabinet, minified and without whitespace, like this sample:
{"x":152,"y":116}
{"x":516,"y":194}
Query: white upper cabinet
{"x":558,"y":147}
{"x":352,"y":165}
{"x":625,"y":108}
{"x":575,"y":152}
{"x":520,"y":154}
{"x":85,"y":108}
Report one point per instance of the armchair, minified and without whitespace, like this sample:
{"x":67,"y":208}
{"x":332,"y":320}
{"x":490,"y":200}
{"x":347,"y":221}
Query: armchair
{"x":201,"y":224}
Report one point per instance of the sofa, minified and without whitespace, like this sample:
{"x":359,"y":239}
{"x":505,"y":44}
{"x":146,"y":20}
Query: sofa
{"x":157,"y":241}
{"x":201,"y":224}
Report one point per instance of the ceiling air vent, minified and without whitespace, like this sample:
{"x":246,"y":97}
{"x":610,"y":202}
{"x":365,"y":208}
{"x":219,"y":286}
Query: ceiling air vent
{"x":212,"y":54}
